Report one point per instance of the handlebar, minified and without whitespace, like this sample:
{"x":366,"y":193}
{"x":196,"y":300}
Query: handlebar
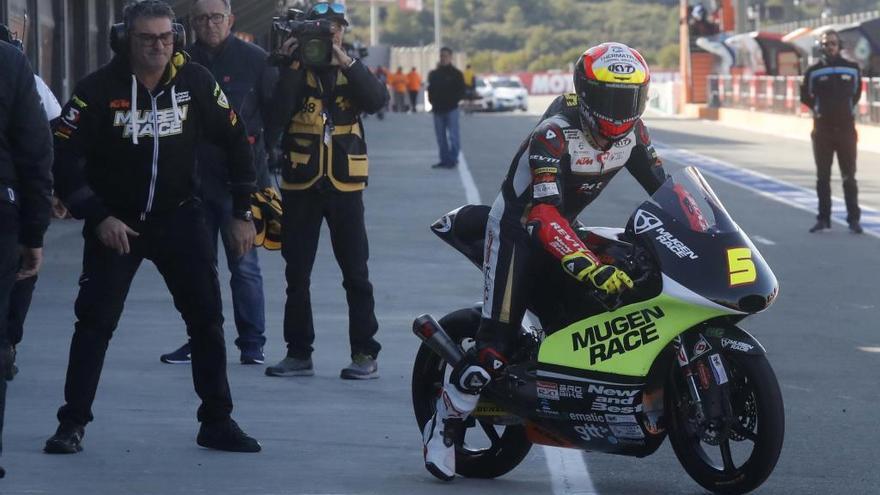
{"x":638,"y":265}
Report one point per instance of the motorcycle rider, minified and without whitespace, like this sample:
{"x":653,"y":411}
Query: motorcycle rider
{"x":582,"y":141}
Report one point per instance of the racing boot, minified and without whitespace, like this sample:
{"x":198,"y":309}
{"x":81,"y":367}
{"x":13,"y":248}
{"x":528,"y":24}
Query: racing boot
{"x":456,"y":402}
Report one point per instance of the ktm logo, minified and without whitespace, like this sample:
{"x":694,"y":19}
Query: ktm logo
{"x":119,"y":104}
{"x":621,"y":68}
{"x":585,"y":160}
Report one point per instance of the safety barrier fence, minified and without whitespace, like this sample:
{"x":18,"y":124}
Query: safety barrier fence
{"x":781,"y":94}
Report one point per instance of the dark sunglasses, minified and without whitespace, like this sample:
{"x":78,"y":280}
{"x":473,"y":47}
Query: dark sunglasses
{"x":829,"y":43}
{"x":325,"y":8}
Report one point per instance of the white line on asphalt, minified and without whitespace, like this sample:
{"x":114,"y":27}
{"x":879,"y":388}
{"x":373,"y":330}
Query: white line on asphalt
{"x":763,"y":240}
{"x":568,"y":468}
{"x":470,"y":187}
{"x":869,"y":349}
{"x":569,"y":472}
{"x":795,"y":387}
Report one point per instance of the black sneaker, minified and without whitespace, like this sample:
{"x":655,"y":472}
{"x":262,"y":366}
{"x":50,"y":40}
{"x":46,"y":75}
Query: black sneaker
{"x":226,"y":435}
{"x":820,"y":226}
{"x":66,"y":440}
{"x":252,"y":355}
{"x":182,"y":355}
{"x":855,"y":227}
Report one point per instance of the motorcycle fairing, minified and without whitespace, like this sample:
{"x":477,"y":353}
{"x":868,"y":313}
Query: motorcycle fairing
{"x":627,"y":341}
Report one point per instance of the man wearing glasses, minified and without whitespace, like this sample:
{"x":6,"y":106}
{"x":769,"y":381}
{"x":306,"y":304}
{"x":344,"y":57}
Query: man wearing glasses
{"x":125,"y":156}
{"x":325,"y":173}
{"x":243,"y":73}
{"x":832,"y":88}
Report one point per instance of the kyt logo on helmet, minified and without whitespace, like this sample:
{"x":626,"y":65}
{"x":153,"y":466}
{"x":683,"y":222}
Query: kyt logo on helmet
{"x":611,"y":81}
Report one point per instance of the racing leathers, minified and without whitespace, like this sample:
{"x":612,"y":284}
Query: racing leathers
{"x":556,"y":173}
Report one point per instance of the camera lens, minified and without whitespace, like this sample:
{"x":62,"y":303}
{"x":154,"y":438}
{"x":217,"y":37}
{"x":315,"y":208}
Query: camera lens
{"x":315,"y":52}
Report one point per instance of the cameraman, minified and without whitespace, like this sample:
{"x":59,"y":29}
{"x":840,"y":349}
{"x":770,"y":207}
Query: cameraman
{"x":324,"y":173}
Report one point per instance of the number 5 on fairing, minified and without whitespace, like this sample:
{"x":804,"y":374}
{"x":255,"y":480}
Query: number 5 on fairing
{"x":741,"y":266}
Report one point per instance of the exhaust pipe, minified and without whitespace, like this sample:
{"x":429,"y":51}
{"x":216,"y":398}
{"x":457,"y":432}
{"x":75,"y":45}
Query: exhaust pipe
{"x":432,"y":334}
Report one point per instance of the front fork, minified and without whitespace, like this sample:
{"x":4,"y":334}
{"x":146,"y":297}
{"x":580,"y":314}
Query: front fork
{"x":717,"y":402}
{"x":684,"y":361}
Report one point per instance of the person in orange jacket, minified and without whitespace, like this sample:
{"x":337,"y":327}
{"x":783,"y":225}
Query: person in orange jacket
{"x":397,"y":81}
{"x":413,"y":85}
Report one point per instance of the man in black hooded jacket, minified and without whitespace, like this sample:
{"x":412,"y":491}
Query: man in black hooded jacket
{"x":125,"y":148}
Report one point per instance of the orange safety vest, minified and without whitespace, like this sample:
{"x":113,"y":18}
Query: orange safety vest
{"x":413,"y":81}
{"x":398,"y":82}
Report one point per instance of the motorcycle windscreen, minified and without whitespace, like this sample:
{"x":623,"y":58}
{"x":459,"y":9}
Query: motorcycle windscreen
{"x":698,"y":244}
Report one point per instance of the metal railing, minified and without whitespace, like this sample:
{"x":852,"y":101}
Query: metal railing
{"x":788,"y":27}
{"x":781,"y":94}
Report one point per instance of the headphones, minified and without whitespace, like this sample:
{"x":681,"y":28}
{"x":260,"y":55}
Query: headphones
{"x":120,"y":38}
{"x":6,"y":36}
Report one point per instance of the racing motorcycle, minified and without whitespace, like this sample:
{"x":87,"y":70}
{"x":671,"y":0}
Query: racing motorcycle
{"x":619,"y":375}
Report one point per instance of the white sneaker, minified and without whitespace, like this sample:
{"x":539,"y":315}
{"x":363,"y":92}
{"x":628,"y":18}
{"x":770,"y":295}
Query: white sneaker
{"x":453,"y":407}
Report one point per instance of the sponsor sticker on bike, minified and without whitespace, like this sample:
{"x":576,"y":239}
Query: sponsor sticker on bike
{"x":614,"y":400}
{"x":736,"y":345}
{"x":547,"y":390}
{"x":705,"y":377}
{"x":619,"y":335}
{"x":627,"y":431}
{"x":587,"y":417}
{"x":591,"y":432}
{"x":571,"y":391}
{"x":718,"y":369}
{"x":701,"y":347}
{"x":645,"y":221}
{"x":620,"y":418}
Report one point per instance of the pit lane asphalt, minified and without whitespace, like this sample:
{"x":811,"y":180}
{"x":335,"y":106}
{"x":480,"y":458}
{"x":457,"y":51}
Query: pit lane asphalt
{"x":322,"y":435}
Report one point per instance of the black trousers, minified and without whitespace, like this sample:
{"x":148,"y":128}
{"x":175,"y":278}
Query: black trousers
{"x":9,"y":262}
{"x":19,"y":304}
{"x":304,"y":212}
{"x":827,"y":141}
{"x":178,"y":244}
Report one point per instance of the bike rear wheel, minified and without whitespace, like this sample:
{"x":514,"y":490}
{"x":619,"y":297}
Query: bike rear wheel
{"x":486,"y":450}
{"x":755,"y":437}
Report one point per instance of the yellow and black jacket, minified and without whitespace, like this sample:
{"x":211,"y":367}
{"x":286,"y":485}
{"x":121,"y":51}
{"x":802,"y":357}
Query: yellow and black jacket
{"x":318,"y":115}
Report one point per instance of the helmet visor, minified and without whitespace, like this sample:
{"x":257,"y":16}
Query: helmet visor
{"x":615,"y":102}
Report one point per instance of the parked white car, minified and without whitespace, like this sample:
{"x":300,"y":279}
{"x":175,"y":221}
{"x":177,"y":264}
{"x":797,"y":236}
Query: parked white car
{"x":500,"y":93}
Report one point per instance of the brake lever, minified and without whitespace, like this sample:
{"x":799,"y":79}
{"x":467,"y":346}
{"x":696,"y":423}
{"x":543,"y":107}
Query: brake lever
{"x":608,"y":301}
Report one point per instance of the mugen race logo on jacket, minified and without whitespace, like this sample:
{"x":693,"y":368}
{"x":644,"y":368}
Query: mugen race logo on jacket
{"x":165,"y":122}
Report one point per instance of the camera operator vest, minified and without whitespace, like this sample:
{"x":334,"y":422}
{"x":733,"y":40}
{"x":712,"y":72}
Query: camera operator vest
{"x":324,"y":142}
